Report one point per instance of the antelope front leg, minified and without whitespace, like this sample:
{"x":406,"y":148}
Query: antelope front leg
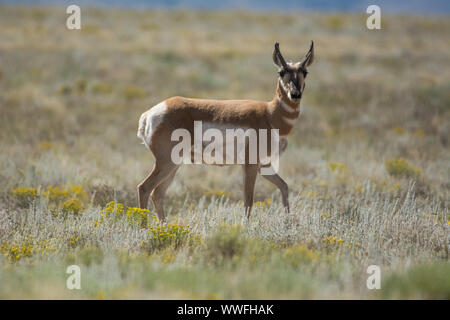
{"x":250,"y":173}
{"x":282,"y":185}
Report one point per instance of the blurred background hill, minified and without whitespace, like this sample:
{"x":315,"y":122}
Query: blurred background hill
{"x":418,"y":7}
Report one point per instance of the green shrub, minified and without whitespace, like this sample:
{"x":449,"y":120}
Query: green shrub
{"x":136,"y":216}
{"x":101,"y":88}
{"x":89,"y":255}
{"x":163,"y":236}
{"x":401,"y":168}
{"x":132,"y":92}
{"x":298,"y":255}
{"x":65,"y":199}
{"x":225,"y":244}
{"x":15,"y":252}
{"x":64,"y":90}
{"x":72,"y":206}
{"x":430,"y":281}
{"x":24,"y":196}
{"x":81,"y":85}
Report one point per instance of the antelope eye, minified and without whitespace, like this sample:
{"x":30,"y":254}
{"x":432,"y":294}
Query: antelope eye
{"x":282,"y":73}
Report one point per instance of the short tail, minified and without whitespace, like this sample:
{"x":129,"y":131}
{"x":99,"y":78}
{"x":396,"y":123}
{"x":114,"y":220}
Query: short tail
{"x":142,"y":129}
{"x":149,"y":122}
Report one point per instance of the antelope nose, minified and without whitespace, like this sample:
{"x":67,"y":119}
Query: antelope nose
{"x":296,"y":95}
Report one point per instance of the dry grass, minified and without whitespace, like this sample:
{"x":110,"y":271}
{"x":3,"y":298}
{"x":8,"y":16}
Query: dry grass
{"x":368,"y":163}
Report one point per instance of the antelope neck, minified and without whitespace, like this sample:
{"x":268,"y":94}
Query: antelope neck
{"x":283,"y":98}
{"x":283,"y":112}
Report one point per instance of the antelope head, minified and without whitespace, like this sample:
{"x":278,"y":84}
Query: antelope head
{"x":292,"y":75}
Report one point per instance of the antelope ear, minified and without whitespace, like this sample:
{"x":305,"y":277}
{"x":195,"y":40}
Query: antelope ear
{"x":309,"y":56}
{"x":277,"y":57}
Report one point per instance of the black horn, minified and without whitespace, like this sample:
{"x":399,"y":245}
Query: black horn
{"x":309,"y":56}
{"x":278,"y":57}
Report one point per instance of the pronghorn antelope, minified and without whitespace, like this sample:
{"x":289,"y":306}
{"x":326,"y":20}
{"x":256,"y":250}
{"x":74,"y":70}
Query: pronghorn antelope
{"x":158,"y":123}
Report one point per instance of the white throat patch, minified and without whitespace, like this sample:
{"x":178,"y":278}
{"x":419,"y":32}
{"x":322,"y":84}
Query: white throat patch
{"x":286,"y":107}
{"x":288,"y":94}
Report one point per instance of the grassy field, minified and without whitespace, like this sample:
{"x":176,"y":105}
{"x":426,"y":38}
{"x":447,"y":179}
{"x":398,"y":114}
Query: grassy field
{"x":367,"y":164}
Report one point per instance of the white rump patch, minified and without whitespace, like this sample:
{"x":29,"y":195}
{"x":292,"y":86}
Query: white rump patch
{"x":149,"y":122}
